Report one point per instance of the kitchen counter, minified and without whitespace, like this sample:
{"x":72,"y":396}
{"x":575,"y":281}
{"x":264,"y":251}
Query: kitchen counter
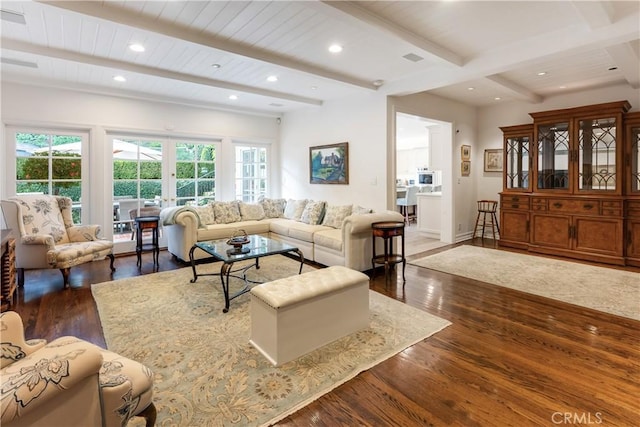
{"x":429,"y":209}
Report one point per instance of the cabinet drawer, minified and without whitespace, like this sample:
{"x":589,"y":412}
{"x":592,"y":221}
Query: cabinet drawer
{"x":611,"y":212}
{"x":633,"y":208}
{"x":612,"y":204}
{"x":514,"y":202}
{"x":575,"y":206}
{"x":538,"y":204}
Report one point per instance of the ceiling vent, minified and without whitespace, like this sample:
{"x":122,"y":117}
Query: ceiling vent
{"x":7,"y":15}
{"x":413,"y":57}
{"x":11,"y":61}
{"x":274,"y":104}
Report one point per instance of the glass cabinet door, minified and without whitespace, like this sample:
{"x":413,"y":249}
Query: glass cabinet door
{"x":517,"y":154}
{"x":597,"y":154}
{"x":634,"y":160}
{"x":553,"y":156}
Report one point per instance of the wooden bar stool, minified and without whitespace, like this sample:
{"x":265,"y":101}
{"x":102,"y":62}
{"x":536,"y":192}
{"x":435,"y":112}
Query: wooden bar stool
{"x":487,"y":217}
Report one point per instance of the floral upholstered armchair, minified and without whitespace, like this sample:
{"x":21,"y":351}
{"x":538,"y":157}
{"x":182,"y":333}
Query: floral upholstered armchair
{"x":69,"y":382}
{"x":46,"y":236}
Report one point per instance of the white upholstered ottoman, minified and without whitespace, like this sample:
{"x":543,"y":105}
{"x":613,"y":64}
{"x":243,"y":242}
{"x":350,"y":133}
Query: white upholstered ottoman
{"x":295,"y":315}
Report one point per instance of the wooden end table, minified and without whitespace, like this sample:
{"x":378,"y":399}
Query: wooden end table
{"x":144,"y":223}
{"x":387,"y":230}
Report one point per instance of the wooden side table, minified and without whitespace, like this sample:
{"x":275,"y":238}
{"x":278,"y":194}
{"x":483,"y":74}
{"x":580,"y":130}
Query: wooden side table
{"x":144,"y":223}
{"x":387,"y":230}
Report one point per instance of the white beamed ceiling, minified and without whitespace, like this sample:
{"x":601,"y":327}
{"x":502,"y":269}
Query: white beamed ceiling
{"x":495,"y":47}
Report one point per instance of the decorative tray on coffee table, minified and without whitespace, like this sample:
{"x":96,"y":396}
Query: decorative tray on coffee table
{"x":238,"y":239}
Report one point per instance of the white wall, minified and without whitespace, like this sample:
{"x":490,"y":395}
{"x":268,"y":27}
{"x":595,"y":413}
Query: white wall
{"x":362,"y":123}
{"x":24,"y":105}
{"x":490,"y":119}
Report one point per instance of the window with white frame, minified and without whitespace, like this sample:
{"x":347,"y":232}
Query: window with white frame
{"x":195,"y":173}
{"x":251,"y":172}
{"x":50,"y":163}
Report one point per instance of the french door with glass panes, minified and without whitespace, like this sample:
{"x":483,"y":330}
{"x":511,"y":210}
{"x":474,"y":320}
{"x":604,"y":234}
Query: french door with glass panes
{"x":150,"y":174}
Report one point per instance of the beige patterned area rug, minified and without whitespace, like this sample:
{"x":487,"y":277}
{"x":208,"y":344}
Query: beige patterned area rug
{"x":604,"y":289}
{"x":207,"y":373}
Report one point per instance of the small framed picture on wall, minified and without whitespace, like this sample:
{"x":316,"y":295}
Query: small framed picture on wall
{"x":465,"y":152}
{"x":493,"y":160}
{"x":465,"y":168}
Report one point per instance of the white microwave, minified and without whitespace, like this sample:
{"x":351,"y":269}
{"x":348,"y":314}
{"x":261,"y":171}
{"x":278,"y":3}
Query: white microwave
{"x":429,"y":177}
{"x":425,"y":178}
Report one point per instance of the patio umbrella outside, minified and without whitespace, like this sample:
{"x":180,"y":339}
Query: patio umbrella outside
{"x":122,"y":150}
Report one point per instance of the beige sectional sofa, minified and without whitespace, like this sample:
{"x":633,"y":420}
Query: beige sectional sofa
{"x":325,"y":233}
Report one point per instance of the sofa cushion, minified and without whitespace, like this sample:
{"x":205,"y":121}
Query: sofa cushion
{"x":294,"y":209}
{"x":335,"y":215}
{"x":251,"y":211}
{"x":205,"y":213}
{"x":313,"y":212}
{"x":224,"y":231}
{"x":359,"y":210}
{"x":273,"y":208}
{"x":330,"y":238}
{"x":226,"y":212}
{"x":281,"y":226}
{"x":304,"y":232}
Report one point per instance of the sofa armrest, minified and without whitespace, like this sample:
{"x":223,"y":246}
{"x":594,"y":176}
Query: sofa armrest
{"x":354,"y":224}
{"x":47,"y":374}
{"x":83,"y":233}
{"x":14,"y":345}
{"x":39,"y":239}
{"x":181,"y":229}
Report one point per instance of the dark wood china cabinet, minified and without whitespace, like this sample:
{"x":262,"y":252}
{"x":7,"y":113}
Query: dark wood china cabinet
{"x":632,"y":189}
{"x":571,"y":185}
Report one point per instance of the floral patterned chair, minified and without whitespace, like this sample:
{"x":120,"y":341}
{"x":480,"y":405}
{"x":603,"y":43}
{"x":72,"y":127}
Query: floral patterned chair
{"x":69,"y":382}
{"x":47,"y":237}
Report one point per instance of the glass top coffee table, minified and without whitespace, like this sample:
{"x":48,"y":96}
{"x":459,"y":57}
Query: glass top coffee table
{"x":257,"y":247}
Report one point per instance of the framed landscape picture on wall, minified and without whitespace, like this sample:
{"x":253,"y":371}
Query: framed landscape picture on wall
{"x":329,"y":164}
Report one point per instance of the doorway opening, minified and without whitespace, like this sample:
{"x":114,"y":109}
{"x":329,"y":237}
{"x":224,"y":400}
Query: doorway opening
{"x":423,"y":153}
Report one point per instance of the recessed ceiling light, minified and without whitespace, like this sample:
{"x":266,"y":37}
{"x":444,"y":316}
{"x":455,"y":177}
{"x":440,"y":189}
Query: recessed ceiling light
{"x":335,"y":48}
{"x":542,"y":73}
{"x":136,"y":47}
{"x":471,"y":88}
{"x":563,"y":87}
{"x":272,"y":78}
{"x":216,"y":66}
{"x":378,"y":83}
{"x":233,"y":97}
{"x":497,"y":98}
{"x":314,"y":87}
{"x":119,"y":78}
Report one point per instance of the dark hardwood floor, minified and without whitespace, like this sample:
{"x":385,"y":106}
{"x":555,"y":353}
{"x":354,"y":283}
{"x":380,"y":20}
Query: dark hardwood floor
{"x":508,"y":359}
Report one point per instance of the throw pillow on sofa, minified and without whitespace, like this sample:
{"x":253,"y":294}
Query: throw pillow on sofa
{"x":273,"y":208}
{"x":205,"y":213}
{"x":359,"y":210}
{"x":312,"y":213}
{"x":335,"y":215}
{"x":226,"y":212}
{"x":251,"y":211}
{"x":294,"y":209}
